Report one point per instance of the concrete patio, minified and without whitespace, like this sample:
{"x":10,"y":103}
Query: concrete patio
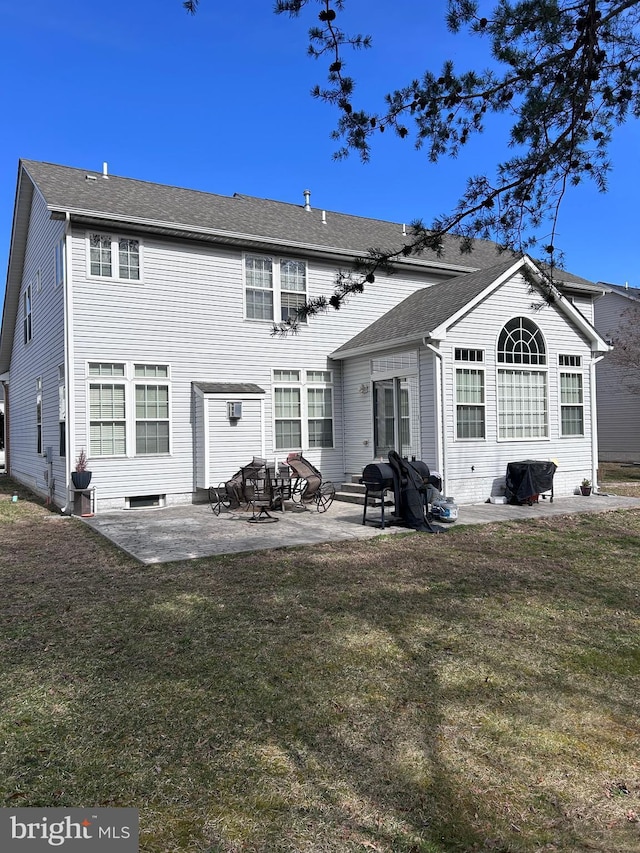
{"x":191,"y":531}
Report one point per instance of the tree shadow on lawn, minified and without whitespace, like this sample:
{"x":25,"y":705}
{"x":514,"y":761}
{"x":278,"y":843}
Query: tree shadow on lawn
{"x":411,"y":694}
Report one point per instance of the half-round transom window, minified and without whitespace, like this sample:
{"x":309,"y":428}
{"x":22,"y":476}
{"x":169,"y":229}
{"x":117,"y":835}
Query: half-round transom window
{"x":521,"y":342}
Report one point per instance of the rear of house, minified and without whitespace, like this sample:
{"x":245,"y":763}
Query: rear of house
{"x":138,"y":326}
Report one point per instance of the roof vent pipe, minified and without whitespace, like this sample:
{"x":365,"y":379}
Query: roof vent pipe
{"x":307,"y":199}
{"x":324,"y":217}
{"x":105,"y":171}
{"x":404,"y":229}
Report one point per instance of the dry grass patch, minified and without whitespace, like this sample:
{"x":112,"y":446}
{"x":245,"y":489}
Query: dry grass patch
{"x":471,"y":692}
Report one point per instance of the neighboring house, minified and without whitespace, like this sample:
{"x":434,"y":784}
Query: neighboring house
{"x":618,"y":402}
{"x":138,"y":325}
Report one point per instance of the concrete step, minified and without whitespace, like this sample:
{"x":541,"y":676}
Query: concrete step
{"x":354,"y":493}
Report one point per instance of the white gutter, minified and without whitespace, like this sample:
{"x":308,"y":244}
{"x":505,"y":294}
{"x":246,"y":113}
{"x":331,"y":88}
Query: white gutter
{"x":594,"y":422}
{"x":442,"y":448}
{"x":69,"y":360}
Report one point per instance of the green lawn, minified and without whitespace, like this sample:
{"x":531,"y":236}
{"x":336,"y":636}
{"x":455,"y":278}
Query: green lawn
{"x":478,"y":691}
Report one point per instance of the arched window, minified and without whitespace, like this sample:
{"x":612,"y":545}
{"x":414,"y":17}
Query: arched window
{"x":522,"y":381}
{"x":521,"y":342}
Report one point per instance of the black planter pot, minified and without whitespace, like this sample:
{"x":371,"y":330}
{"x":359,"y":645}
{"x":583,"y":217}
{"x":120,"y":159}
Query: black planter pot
{"x":81,"y":479}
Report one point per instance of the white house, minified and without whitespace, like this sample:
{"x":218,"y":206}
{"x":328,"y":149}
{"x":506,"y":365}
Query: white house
{"x":138,"y":320}
{"x":618,"y":402}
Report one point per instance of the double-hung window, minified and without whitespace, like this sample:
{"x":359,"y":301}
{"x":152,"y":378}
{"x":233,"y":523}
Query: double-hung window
{"x":152,"y":408}
{"x":114,"y":257}
{"x":522,"y":381}
{"x":274,"y":288}
{"x":571,"y":396}
{"x":303,"y":409}
{"x":470,"y":394}
{"x":107,"y":410}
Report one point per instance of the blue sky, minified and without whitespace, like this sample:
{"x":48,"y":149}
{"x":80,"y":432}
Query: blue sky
{"x":221,"y":103}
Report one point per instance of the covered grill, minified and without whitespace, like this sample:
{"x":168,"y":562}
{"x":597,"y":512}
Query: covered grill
{"x":380,"y":477}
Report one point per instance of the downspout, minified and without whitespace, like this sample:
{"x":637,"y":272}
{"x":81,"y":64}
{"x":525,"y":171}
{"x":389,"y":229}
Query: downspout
{"x":69,"y":379}
{"x":594,"y":422}
{"x":442,"y":444}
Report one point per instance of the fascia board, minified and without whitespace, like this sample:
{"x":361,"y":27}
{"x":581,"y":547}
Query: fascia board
{"x":367,"y":349}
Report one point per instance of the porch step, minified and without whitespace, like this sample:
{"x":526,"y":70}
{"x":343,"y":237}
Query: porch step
{"x":353,"y":492}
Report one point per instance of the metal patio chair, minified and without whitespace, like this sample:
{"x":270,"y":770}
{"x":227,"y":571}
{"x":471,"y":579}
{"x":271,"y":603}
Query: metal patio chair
{"x":307,"y":487}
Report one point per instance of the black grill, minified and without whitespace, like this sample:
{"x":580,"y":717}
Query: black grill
{"x":378,"y":476}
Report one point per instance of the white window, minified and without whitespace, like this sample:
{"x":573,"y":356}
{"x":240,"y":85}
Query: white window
{"x":259,"y":285}
{"x":107,"y":410}
{"x":129,"y":408}
{"x":114,"y":257}
{"x":27,"y":318}
{"x":470,"y":395}
{"x":303,"y":409}
{"x":571,"y":397}
{"x":274,"y":289}
{"x":39,"y":415}
{"x":152,"y":409}
{"x":293,"y":288}
{"x":522,"y":391}
{"x":59,"y":262}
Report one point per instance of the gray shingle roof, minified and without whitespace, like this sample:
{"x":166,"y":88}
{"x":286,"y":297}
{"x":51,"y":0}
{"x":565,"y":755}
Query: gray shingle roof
{"x":127,"y":200}
{"x":424,"y":310}
{"x":629,"y":292}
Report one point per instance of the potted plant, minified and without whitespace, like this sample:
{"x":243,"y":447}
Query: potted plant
{"x":81,"y":477}
{"x":585,"y":487}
